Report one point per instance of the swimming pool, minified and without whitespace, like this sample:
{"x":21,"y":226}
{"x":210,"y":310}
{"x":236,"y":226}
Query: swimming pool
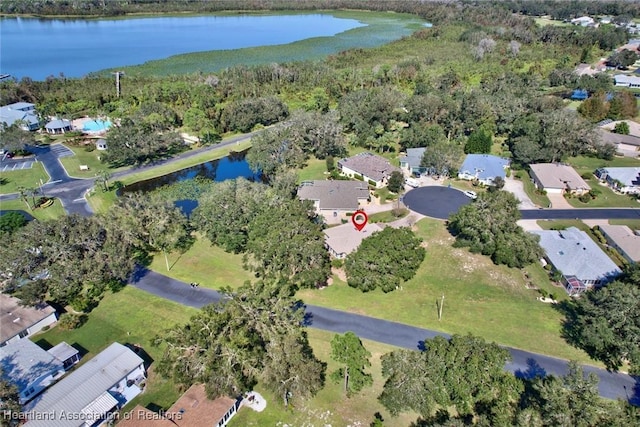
{"x":96,"y":125}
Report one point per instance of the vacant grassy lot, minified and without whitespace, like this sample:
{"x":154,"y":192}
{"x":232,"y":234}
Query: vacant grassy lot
{"x":315,"y":169}
{"x":208,"y":265}
{"x":87,"y":158}
{"x":130,"y":316}
{"x":27,"y":178}
{"x":330,"y":407}
{"x":480,"y":298}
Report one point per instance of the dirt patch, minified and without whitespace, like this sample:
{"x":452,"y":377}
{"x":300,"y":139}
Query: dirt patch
{"x":339,"y":273}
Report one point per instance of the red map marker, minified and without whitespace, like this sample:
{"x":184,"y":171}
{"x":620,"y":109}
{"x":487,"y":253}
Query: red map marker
{"x":359,"y":219}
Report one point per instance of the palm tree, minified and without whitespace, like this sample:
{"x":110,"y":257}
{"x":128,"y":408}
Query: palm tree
{"x":33,"y":192}
{"x":104,"y":177}
{"x":23,"y":195}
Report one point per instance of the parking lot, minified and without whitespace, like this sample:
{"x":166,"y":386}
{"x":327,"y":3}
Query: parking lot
{"x":8,"y":165}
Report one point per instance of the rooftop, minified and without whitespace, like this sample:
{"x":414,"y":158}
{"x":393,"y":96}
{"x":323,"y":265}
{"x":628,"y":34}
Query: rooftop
{"x":484,"y":166}
{"x":574,"y":253}
{"x":367,"y":164}
{"x":413,"y":157}
{"x":23,"y":111}
{"x":625,"y":238}
{"x":345,"y":239}
{"x":624,"y":79}
{"x":628,"y":176}
{"x":556,"y":175}
{"x":616,"y":138}
{"x":58,"y":124}
{"x":24,"y":362}
{"x":192,"y":409}
{"x":334,"y":194}
{"x":85,"y":387}
{"x":62,"y":351}
{"x":15,"y":318}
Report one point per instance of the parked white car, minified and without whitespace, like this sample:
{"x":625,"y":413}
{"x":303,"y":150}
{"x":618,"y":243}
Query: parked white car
{"x":471,"y":194}
{"x":412,"y":183}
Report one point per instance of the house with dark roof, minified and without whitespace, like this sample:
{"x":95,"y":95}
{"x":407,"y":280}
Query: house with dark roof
{"x":58,"y":126}
{"x":412,"y":160}
{"x":367,"y":167}
{"x":30,"y":368}
{"x":18,"y":321}
{"x":192,"y":409}
{"x":93,"y":392}
{"x":580,"y":260}
{"x":23,"y":113}
{"x":484,"y":168}
{"x":334,"y":199}
{"x":624,"y":180}
{"x":557,"y":178}
{"x":624,"y":240}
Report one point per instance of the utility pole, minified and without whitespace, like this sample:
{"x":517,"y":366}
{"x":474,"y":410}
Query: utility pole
{"x":440,"y":308}
{"x":118,"y":74}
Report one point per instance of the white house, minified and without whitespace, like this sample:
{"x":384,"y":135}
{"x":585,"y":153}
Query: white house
{"x":58,"y":126}
{"x":344,"y":239}
{"x":29,"y":368}
{"x":93,"y":392}
{"x":368,"y":167}
{"x":23,"y":113}
{"x":558,"y":178}
{"x":483,"y":167}
{"x":580,"y":260}
{"x":624,"y":180}
{"x":583,"y":21}
{"x":624,"y":80}
{"x":18,"y":321}
{"x":334,"y":199}
{"x":624,"y":240}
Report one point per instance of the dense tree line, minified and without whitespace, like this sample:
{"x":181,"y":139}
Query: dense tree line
{"x":568,"y":10}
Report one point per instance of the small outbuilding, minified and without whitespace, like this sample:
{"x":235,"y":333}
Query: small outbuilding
{"x":58,"y":126}
{"x":101,"y":144}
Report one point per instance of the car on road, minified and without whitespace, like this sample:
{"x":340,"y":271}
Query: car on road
{"x":471,"y":194}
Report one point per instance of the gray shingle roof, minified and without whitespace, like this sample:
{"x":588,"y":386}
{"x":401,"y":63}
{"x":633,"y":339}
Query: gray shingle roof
{"x":624,"y":238}
{"x":413,"y":157}
{"x":85,"y":385}
{"x":616,"y":138}
{"x":10,"y":114}
{"x":334,"y":194}
{"x":15,"y":318}
{"x":345,"y":239}
{"x":484,"y":166}
{"x":574,"y":253}
{"x":23,"y":362}
{"x":374,"y":167}
{"x":58,"y":124}
{"x":556,"y":175}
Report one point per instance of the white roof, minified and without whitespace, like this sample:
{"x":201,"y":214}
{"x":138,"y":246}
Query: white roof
{"x":62,"y":351}
{"x":24,"y":362}
{"x":574,"y":253}
{"x":345,"y":238}
{"x":630,"y":177}
{"x":624,"y":79}
{"x":85,"y":386}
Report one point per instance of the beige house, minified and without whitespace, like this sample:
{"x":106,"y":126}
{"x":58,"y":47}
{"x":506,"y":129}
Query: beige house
{"x":18,"y":321}
{"x":334,"y":199}
{"x":367,"y":167}
{"x":558,"y":178}
{"x":624,"y":240}
{"x":345,"y":238}
{"x":192,"y":409}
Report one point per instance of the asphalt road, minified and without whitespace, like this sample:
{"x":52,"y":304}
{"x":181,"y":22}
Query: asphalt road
{"x":524,"y":364}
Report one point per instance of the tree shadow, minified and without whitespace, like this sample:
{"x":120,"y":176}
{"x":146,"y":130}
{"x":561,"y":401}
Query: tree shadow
{"x":533,"y":371}
{"x":634,"y":397}
{"x":138,"y":273}
{"x":570,"y":313}
{"x":137,"y":349}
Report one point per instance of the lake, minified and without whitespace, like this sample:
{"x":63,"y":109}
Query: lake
{"x":38,"y":48}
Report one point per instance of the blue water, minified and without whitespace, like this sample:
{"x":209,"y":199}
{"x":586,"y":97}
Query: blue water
{"x":96,"y":125}
{"x":38,"y":48}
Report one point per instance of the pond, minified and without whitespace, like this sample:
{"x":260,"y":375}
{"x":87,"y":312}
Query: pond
{"x":38,"y":48}
{"x":230,"y":167}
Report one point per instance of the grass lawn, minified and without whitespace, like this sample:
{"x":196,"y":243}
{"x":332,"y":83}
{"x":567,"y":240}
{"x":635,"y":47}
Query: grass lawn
{"x":633,"y":224}
{"x":315,"y":169}
{"x":543,"y":22}
{"x":27,"y":178}
{"x":329,"y":406}
{"x":584,"y":164}
{"x":129,"y":316}
{"x":387,"y":216}
{"x":607,"y":198}
{"x":84,"y":157}
{"x":52,"y":212}
{"x":480,"y":298}
{"x":206,"y":264}
{"x":537,"y":198}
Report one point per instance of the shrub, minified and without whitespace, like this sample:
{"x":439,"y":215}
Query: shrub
{"x":372,"y":183}
{"x":89,"y":148}
{"x":585,"y":198}
{"x":586,"y":175}
{"x":358,"y":177}
{"x":69,"y":321}
{"x":337,"y":263}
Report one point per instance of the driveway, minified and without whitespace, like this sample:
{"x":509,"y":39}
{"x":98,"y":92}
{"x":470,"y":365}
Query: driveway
{"x":435,"y":201}
{"x":516,"y":187}
{"x":558,"y":201}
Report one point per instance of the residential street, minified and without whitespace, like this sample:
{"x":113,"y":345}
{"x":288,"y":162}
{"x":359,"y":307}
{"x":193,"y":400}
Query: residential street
{"x":525,"y":364}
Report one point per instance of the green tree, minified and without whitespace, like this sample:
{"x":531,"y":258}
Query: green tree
{"x":488,"y":226}
{"x":13,"y":138}
{"x":254,"y":334}
{"x":442,"y":159}
{"x":11,"y":221}
{"x":463,"y":373}
{"x":480,"y":141}
{"x":623,"y":59}
{"x":9,"y":403}
{"x":384,"y":260}
{"x":396,"y":182}
{"x":353,"y":357}
{"x":606,"y":324}
{"x":622,"y":128}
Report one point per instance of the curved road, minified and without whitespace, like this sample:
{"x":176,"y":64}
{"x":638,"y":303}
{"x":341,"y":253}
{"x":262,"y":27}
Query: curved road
{"x":71,"y":192}
{"x":524,"y":364}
